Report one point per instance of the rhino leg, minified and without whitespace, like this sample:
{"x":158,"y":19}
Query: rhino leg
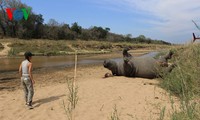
{"x":163,"y":60}
{"x":129,"y":69}
{"x":170,"y":68}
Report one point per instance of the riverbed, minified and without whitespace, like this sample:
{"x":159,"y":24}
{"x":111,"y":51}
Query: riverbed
{"x":11,"y":64}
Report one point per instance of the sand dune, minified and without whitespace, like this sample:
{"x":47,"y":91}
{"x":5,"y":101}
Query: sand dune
{"x":135,"y":98}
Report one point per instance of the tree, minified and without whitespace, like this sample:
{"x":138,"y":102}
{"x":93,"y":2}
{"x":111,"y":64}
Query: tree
{"x":128,"y":37}
{"x":98,"y":32}
{"x":51,"y":30}
{"x":3,"y":18}
{"x":65,"y":32}
{"x":76,"y":28}
{"x":107,"y":29}
{"x":13,"y":28}
{"x":141,"y":37}
{"x":85,"y":35}
{"x":38,"y":26}
{"x":53,"y":23}
{"x":4,"y":22}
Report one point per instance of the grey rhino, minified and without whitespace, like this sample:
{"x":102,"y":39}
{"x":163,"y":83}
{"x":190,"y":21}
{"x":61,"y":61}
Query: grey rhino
{"x":145,"y":67}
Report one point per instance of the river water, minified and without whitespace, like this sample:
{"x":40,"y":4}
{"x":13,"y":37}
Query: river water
{"x":40,"y":62}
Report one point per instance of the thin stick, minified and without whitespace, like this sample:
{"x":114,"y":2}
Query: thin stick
{"x":75,"y":66}
{"x":74,"y":85}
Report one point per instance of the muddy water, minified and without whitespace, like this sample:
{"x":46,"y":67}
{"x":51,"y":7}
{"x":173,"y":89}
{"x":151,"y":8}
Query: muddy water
{"x":40,"y":62}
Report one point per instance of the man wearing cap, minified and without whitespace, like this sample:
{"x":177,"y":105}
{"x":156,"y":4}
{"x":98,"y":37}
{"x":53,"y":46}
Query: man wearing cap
{"x":27,"y":81}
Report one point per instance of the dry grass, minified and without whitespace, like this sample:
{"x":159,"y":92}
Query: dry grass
{"x":63,"y":47}
{"x":184,"y":82}
{"x":114,"y":114}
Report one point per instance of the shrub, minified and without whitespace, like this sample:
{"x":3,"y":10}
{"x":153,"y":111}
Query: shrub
{"x":184,"y":82}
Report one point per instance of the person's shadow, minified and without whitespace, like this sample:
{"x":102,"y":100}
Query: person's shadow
{"x":39,"y":102}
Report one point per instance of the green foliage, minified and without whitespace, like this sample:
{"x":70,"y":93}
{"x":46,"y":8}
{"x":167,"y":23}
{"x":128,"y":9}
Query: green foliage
{"x":143,"y":39}
{"x":115,"y":37}
{"x":162,"y":113}
{"x":38,"y":30}
{"x":98,"y":33}
{"x":184,"y":82}
{"x":188,"y":111}
{"x":85,"y":35}
{"x":76,"y":28}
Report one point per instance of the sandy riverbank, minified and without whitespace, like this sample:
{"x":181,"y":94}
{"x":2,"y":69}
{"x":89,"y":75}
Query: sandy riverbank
{"x":135,"y":98}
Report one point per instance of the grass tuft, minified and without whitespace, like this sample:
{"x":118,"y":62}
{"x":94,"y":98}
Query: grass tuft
{"x":162,"y":113}
{"x":72,"y":95}
{"x":12,"y":52}
{"x":72,"y":100}
{"x":184,"y":82}
{"x":114,"y":114}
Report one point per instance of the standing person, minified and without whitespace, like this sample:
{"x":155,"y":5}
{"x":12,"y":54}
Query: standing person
{"x":25,"y":71}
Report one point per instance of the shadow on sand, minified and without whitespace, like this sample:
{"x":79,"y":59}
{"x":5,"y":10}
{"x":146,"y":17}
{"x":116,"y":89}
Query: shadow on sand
{"x":7,"y":79}
{"x":39,"y":102}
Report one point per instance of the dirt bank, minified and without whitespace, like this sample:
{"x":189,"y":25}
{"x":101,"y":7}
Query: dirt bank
{"x":6,"y":49}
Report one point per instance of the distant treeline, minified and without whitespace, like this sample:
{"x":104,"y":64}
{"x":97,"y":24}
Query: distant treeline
{"x":35,"y":28}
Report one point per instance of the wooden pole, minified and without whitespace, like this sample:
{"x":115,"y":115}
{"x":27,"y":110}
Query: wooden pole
{"x":75,"y":67}
{"x":74,"y":86}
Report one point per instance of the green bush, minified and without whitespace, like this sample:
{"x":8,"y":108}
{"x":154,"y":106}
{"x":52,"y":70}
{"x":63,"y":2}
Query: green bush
{"x":184,"y":82}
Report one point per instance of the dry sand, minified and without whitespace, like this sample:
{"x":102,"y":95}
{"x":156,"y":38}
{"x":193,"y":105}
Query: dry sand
{"x":135,"y":98}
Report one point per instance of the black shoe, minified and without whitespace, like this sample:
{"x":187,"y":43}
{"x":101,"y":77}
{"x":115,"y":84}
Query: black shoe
{"x":30,"y":105}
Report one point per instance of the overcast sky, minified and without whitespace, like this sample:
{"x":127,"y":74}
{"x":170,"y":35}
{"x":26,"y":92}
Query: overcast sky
{"x":169,"y":20}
